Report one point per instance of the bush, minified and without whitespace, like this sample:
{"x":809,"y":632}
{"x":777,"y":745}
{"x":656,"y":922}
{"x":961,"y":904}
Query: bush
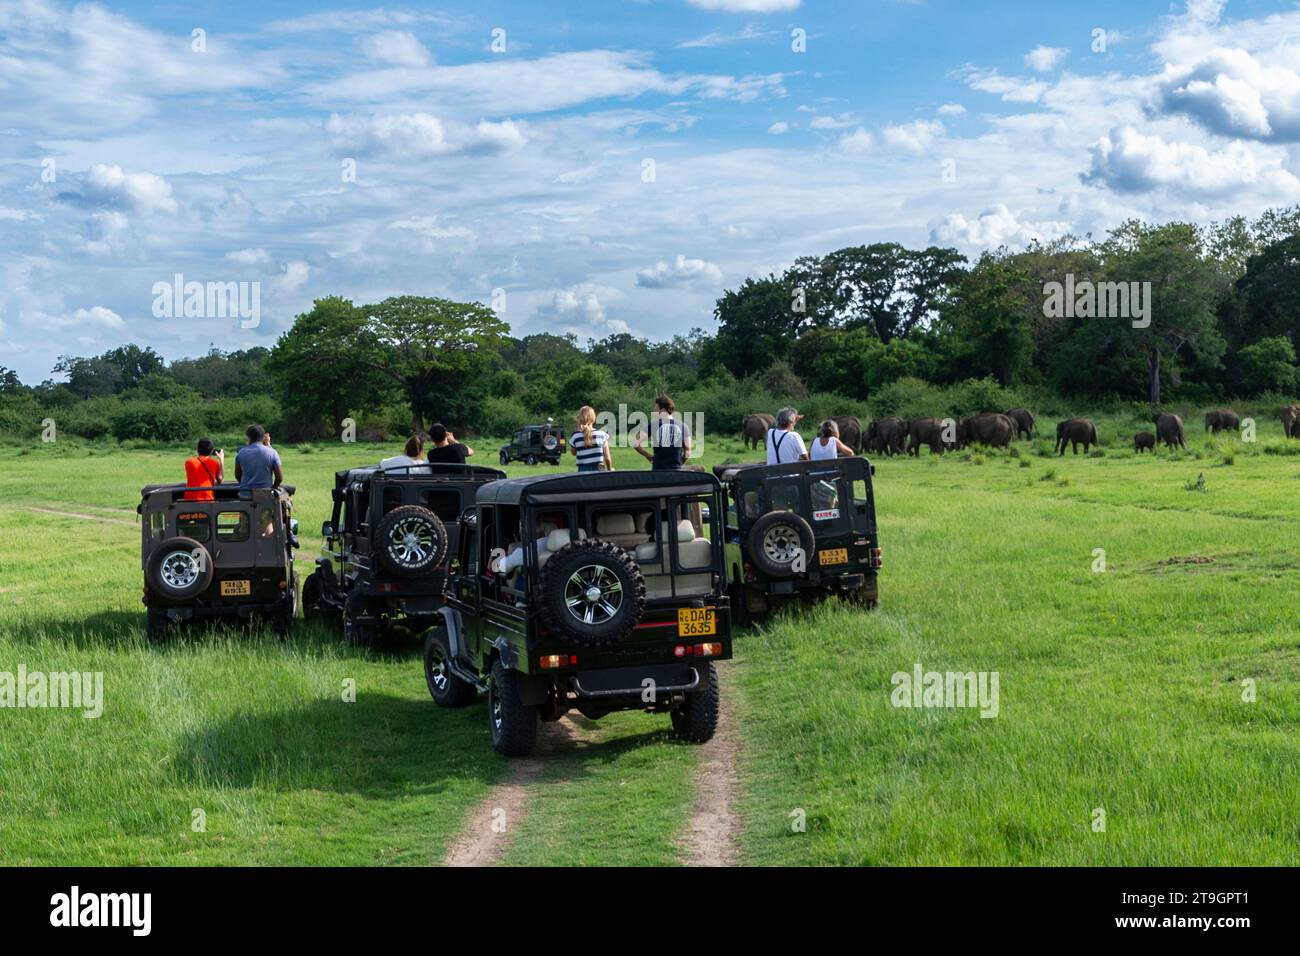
{"x":156,"y":423}
{"x":502,"y":416}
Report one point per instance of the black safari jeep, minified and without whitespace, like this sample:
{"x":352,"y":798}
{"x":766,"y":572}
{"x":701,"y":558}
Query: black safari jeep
{"x":386,"y":545}
{"x":595,"y":592}
{"x":535,"y":443}
{"x":228,"y":557}
{"x":803,"y":528}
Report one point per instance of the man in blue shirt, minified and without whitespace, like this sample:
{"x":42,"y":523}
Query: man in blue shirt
{"x":256,"y":464}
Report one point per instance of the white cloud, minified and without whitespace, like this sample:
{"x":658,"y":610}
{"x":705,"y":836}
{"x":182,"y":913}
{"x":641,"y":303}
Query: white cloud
{"x":355,"y":21}
{"x":915,"y":137}
{"x":951,"y":109}
{"x":1043,"y":59}
{"x":138,"y":192}
{"x":395,"y":47}
{"x":580,"y":310}
{"x":750,"y":32}
{"x":746,"y":6}
{"x":830,"y":122}
{"x":778,"y":128}
{"x":292,"y":276}
{"x":413,"y":135}
{"x":859,"y":141}
{"x":1011,"y":89}
{"x":1129,"y":161}
{"x":680,"y":272}
{"x":1233,"y":93}
{"x":98,"y":316}
{"x":249,"y":257}
{"x":994,"y":227}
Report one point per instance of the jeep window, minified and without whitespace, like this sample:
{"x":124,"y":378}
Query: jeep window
{"x":392,"y":498}
{"x":232,"y":526}
{"x":824,"y":493}
{"x":753,"y":505}
{"x":786,"y":496}
{"x":445,"y":504}
{"x":860,"y":497}
{"x":194,"y":525}
{"x":157,"y":525}
{"x":265,"y":521}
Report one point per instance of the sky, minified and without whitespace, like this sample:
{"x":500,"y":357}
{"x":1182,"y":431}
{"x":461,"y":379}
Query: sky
{"x":592,"y":167}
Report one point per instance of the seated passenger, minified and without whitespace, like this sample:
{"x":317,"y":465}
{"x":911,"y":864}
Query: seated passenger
{"x":414,"y":455}
{"x":205,"y":470}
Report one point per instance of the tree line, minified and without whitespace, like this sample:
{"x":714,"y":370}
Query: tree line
{"x":1219,"y":318}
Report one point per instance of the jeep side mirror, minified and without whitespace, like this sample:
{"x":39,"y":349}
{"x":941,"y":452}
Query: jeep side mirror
{"x":326,"y":530}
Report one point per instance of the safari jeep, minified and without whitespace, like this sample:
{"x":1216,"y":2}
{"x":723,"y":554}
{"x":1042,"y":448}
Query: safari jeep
{"x":592,"y":592}
{"x":806,"y":528}
{"x":535,"y":443}
{"x":231,"y":557}
{"x":384,"y":560}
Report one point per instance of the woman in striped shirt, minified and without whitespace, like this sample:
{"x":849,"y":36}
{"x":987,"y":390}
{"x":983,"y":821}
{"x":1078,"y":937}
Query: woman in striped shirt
{"x":589,"y":443}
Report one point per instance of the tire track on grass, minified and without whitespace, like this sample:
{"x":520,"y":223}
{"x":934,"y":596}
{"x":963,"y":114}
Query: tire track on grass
{"x":495,"y":819}
{"x":712,"y":835}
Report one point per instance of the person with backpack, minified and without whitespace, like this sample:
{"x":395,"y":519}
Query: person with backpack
{"x":670,"y":440}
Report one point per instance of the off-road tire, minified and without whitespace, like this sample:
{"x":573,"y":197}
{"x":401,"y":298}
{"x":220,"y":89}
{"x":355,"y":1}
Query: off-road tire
{"x":511,"y":722}
{"x":505,"y":458}
{"x":600,"y":564}
{"x":530,"y":459}
{"x":177,"y":556}
{"x":696,"y":719}
{"x":282,"y":619}
{"x":446,"y":689}
{"x":358,"y":630}
{"x":313,"y":589}
{"x":786,"y":530}
{"x":423,"y":530}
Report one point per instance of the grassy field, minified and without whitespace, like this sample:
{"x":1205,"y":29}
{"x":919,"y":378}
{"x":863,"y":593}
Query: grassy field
{"x":1119,"y":689}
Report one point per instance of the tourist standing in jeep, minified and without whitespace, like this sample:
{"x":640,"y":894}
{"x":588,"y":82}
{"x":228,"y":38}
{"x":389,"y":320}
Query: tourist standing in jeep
{"x":669,"y":437}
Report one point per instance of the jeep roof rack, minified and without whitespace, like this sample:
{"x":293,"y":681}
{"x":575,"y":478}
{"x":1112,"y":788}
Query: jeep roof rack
{"x":434,"y":470}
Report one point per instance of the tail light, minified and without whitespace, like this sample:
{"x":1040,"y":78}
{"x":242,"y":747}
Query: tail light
{"x":390,"y":586}
{"x":876,"y":559}
{"x":553,"y":661}
{"x":710,"y":649}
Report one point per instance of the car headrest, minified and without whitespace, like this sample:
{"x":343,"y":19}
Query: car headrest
{"x":557,"y":539}
{"x":620,"y":522}
{"x":685,"y":531}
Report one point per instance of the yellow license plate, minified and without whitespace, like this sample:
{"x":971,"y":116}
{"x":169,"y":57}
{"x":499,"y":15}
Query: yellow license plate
{"x":236,"y":588}
{"x":833,"y":556}
{"x":696,"y":621}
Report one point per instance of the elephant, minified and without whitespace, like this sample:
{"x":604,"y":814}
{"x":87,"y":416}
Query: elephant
{"x":1144,"y":441}
{"x":1024,"y":420}
{"x":927,"y":431}
{"x":1073,"y":432}
{"x":753,"y":428}
{"x":987,"y":428}
{"x":850,"y":431}
{"x":887,"y":435}
{"x":1222,"y":420}
{"x":1291,"y":421}
{"x":1169,"y":429}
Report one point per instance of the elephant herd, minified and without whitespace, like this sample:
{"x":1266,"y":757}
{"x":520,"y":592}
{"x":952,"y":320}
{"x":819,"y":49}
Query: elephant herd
{"x":892,"y":435}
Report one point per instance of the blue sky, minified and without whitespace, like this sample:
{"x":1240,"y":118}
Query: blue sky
{"x":127,"y":156}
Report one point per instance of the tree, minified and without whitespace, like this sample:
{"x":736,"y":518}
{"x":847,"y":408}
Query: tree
{"x":1185,"y":287}
{"x":9,"y":383}
{"x":989,"y":316}
{"x":757,"y":325}
{"x":438,"y":352}
{"x":1266,"y":366}
{"x":316,"y":365}
{"x":1265,"y":300}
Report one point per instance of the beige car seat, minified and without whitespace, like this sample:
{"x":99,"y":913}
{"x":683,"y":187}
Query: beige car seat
{"x":620,"y":528}
{"x":692,"y":552}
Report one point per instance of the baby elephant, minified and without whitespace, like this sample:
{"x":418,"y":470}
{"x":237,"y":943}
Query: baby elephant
{"x":1144,"y":441}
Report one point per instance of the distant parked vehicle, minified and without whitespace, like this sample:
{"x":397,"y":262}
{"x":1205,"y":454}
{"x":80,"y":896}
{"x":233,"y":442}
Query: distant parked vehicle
{"x":230,"y":558}
{"x":534,"y":443}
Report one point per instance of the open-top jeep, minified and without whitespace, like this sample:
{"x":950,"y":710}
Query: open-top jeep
{"x":386,"y":545}
{"x":802,"y":528}
{"x":229,"y":557}
{"x":534,"y":443}
{"x":595,"y":592}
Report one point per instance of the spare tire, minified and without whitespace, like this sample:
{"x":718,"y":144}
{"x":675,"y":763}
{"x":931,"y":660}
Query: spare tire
{"x":179,"y":569}
{"x":592,"y":592}
{"x":410,"y":540}
{"x":550,"y":443}
{"x":775,"y":541}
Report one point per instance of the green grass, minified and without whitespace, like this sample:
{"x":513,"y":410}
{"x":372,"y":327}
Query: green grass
{"x":1119,"y":690}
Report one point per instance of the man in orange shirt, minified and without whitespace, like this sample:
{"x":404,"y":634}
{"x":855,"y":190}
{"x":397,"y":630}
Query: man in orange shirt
{"x":204,"y":471}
